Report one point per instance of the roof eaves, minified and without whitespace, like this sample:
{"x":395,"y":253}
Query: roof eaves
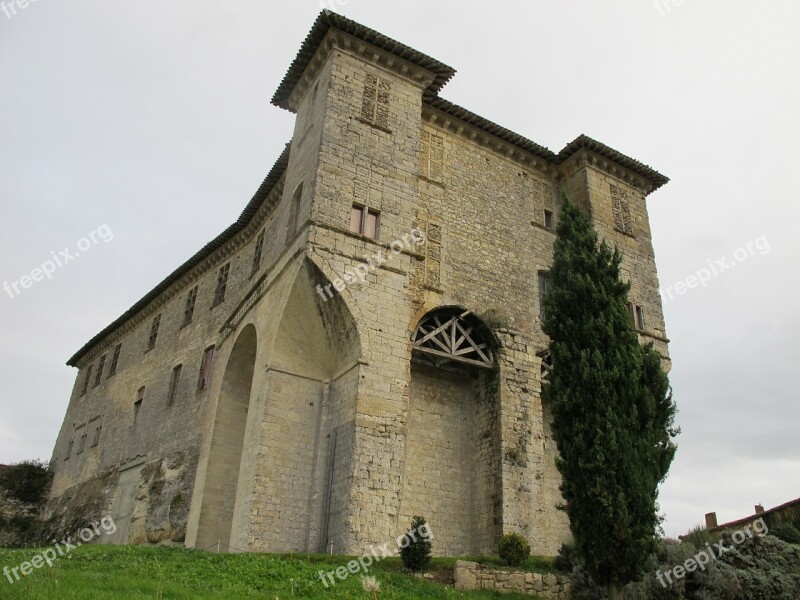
{"x":584,"y":141}
{"x":459,"y":112}
{"x":327,"y":20}
{"x":247,"y":214}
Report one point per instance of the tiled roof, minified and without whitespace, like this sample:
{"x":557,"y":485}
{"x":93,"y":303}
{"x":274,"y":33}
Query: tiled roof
{"x":247,"y":214}
{"x":328,"y":20}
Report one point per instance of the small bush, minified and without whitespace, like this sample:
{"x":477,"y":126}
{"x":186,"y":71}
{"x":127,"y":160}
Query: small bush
{"x":566,"y":560}
{"x":787,"y":532}
{"x":514,"y":549}
{"x":416,"y":556}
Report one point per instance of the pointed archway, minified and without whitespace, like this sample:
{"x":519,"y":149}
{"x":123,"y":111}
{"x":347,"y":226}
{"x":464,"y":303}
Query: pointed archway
{"x":227,"y":441}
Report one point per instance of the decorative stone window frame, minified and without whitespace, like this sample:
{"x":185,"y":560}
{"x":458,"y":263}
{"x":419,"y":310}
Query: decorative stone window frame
{"x":376,"y":102}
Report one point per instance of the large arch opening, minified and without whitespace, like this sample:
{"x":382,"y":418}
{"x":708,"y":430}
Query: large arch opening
{"x":307,"y":436}
{"x":227,"y":442}
{"x":452,"y":464}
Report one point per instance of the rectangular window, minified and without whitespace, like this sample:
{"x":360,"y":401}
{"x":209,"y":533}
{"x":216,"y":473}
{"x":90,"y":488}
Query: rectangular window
{"x":173,"y":385}
{"x":188,"y":310}
{"x":96,"y":440}
{"x":115,"y":360}
{"x":86,"y":380}
{"x":222,"y":284}
{"x":205,"y":369}
{"x":637,"y":314}
{"x":151,"y":341}
{"x":258,"y":251}
{"x":69,"y":451}
{"x":99,"y":376}
{"x":364,"y":221}
{"x":82,"y":444}
{"x":548,"y":219}
{"x":137,"y":406}
{"x":375,"y":101}
{"x":544,"y":288}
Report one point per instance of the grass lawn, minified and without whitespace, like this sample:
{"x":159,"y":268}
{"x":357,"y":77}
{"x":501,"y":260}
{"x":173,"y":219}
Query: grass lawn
{"x":123,"y":572}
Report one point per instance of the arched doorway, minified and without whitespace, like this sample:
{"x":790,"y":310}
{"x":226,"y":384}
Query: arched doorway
{"x":227,"y":440}
{"x":452,"y":457}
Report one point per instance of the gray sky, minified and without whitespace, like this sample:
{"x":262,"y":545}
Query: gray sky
{"x":153,"y":119}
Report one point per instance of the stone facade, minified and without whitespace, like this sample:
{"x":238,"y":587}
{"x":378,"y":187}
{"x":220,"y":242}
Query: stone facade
{"x":472,"y":576}
{"x":283,"y":390}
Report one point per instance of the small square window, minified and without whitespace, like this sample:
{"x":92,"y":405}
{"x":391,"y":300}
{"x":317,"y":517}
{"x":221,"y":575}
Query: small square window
{"x":364,"y":221}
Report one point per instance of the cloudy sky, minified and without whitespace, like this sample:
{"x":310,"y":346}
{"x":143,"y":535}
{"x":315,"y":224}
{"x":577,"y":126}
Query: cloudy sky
{"x":131,"y":133}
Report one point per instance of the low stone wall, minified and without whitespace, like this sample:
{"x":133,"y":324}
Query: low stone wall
{"x":472,"y":576}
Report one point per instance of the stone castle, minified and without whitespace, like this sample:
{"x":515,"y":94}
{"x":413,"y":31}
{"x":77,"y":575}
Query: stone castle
{"x":363,"y":344}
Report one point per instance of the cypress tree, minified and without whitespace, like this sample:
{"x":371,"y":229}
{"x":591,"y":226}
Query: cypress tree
{"x":613,"y":414}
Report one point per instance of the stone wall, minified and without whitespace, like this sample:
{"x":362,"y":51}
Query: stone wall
{"x":472,"y":576}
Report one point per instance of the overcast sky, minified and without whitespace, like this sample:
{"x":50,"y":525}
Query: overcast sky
{"x":148,"y":124}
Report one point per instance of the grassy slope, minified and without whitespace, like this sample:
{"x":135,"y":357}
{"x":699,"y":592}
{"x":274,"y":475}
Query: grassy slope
{"x":117,"y":572}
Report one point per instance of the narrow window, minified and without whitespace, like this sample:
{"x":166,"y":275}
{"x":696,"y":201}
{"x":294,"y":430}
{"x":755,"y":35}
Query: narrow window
{"x":294,"y":213}
{"x":258,"y":251}
{"x":173,"y":385}
{"x":637,"y":314}
{"x":356,"y":218}
{"x":86,"y":380}
{"x":99,"y":375}
{"x":222,"y":284}
{"x":371,"y":225}
{"x":364,"y":221}
{"x":69,"y":451}
{"x":82,"y":444}
{"x":205,"y":369}
{"x":114,"y":360}
{"x":544,"y":288}
{"x":137,"y":406}
{"x":151,"y":342}
{"x":548,"y":219}
{"x":96,"y":440}
{"x":188,"y":310}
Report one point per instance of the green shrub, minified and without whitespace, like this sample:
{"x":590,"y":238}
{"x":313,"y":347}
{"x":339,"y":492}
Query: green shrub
{"x":787,"y":532}
{"x":514,"y":549}
{"x":415,"y":549}
{"x":27,"y":481}
{"x":566,"y":560}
